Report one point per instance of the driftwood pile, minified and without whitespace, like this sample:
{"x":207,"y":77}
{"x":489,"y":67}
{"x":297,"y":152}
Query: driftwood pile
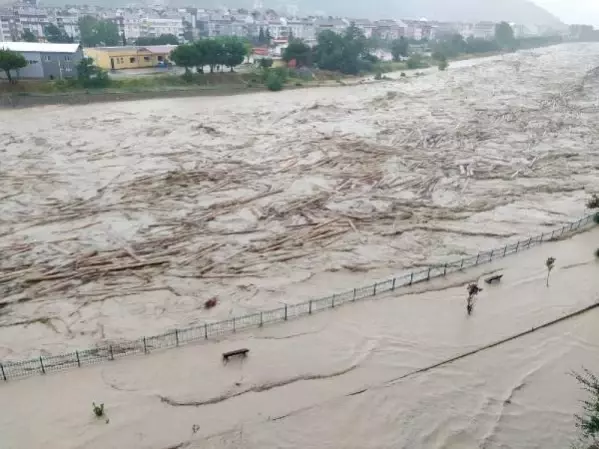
{"x":381,"y":185}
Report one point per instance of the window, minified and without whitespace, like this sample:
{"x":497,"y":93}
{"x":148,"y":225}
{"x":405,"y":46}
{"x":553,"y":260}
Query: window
{"x":31,"y":62}
{"x":131,"y":60}
{"x":147,"y":58}
{"x":47,"y":58}
{"x":160,"y":58}
{"x":67,"y":58}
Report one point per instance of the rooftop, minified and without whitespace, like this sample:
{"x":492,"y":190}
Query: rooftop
{"x":39,"y":47}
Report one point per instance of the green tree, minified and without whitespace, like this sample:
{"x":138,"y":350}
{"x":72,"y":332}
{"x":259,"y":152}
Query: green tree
{"x":329,"y":50}
{"x":300,"y":51}
{"x":11,"y":60}
{"x":399,"y":48}
{"x":185,"y":55}
{"x":233,"y":51}
{"x":266,"y":63}
{"x":163,"y":39}
{"x":214,"y":53}
{"x":28,"y":36}
{"x":90,"y":75}
{"x":347,"y":53}
{"x":56,"y":35}
{"x":95,"y":32}
{"x":274,"y":81}
{"x":588,"y":422}
{"x":504,"y":35}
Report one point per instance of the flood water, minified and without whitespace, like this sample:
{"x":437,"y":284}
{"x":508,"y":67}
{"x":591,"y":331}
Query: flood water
{"x":258,"y":199}
{"x":342,"y":378}
{"x":261,"y":199}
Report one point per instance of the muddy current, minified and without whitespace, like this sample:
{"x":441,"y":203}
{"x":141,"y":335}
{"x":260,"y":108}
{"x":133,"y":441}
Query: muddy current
{"x":122,"y":220}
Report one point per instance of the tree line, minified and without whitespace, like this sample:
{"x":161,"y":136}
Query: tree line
{"x":348,"y":52}
{"x":504,"y":40}
{"x":226,"y":51}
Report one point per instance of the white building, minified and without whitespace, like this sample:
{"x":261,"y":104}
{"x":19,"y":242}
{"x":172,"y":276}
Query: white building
{"x":136,"y":26}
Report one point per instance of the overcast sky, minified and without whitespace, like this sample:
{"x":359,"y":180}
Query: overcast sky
{"x":573,"y":11}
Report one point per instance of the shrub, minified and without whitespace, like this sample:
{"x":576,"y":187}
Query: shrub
{"x":588,"y":422}
{"x":415,"y":62}
{"x":403,"y":74}
{"x":187,"y":76}
{"x":593,"y":202}
{"x":274,"y":82}
{"x":98,"y":409}
{"x":443,"y":64}
{"x":378,"y":76}
{"x":265,"y":63}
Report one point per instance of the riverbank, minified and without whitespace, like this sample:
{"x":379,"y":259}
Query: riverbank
{"x":35,"y":93}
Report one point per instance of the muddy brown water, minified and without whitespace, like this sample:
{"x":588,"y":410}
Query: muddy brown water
{"x":337,"y":379}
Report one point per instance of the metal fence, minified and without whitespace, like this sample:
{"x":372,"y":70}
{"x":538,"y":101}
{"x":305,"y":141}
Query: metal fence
{"x":45,"y":364}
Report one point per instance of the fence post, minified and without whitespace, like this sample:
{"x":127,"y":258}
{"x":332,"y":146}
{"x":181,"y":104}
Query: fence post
{"x":518,"y":246}
{"x":445,"y":269}
{"x":206,"y":331}
{"x":78,"y":360}
{"x":234,"y":325}
{"x":177,"y":336}
{"x":310,"y":307}
{"x":285,"y":312}
{"x":477,"y":257}
{"x":374,"y":289}
{"x":393,"y":285}
{"x":261,"y":320}
{"x":111,"y":353}
{"x":428,"y":274}
{"x":354,"y":294}
{"x":528,"y":244}
{"x":504,"y":250}
{"x":411,"y":278}
{"x":333,"y":301}
{"x":42,"y":365}
{"x":145,"y":346}
{"x":552,"y":234}
{"x":3,"y":373}
{"x":462,"y":264}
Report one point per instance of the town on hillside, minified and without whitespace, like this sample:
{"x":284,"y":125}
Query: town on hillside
{"x":53,"y":40}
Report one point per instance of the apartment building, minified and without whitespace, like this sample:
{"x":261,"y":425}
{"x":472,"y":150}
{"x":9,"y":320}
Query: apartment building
{"x":390,"y":29}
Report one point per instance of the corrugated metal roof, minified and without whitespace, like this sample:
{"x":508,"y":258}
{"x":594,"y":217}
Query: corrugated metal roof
{"x":38,"y":47}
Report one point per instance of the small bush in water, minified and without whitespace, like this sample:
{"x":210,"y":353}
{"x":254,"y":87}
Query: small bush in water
{"x":98,"y":409}
{"x":593,"y":202}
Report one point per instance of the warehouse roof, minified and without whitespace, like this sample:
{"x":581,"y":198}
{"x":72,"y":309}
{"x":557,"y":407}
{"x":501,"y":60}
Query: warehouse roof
{"x":39,"y":47}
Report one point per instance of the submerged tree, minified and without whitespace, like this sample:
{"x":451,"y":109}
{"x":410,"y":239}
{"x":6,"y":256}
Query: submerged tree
{"x":98,"y":409}
{"x":549,"y":263}
{"x":473,"y":290}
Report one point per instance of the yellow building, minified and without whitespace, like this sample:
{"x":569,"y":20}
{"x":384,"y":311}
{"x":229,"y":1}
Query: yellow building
{"x":117,"y":58}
